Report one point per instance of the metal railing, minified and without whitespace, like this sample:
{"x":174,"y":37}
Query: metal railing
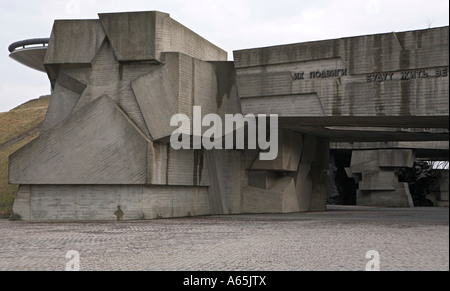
{"x":23,"y":43}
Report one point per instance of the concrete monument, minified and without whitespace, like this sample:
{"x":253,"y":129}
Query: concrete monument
{"x":118,"y":80}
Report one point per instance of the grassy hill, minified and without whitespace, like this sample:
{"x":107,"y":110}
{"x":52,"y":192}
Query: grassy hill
{"x":18,"y":127}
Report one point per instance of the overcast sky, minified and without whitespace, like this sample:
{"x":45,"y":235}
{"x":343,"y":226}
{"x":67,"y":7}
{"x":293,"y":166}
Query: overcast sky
{"x":230,"y":24}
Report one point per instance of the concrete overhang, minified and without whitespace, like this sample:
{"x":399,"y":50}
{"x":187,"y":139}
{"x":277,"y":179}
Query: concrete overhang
{"x":30,"y":53}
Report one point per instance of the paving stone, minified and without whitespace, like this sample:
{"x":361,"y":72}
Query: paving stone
{"x":338,"y":239}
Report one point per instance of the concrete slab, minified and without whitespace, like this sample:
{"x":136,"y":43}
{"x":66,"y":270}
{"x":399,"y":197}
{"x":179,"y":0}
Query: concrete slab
{"x":381,"y":180}
{"x":74,"y":42}
{"x":143,"y":36}
{"x":396,"y":158}
{"x":62,"y":104}
{"x":96,"y":145}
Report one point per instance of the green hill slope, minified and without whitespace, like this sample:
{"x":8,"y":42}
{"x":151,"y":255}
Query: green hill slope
{"x":18,"y":127}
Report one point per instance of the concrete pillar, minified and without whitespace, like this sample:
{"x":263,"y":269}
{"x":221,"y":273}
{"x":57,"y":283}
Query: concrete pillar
{"x":375,"y":173}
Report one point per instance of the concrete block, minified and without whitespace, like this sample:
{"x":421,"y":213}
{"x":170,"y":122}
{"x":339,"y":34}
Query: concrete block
{"x":175,"y":87}
{"x":348,"y":171}
{"x":396,"y":158}
{"x":155,"y":31}
{"x":157,"y":94}
{"x":187,"y":168}
{"x":95,"y":145}
{"x":382,"y":180}
{"x":62,"y":103}
{"x":74,"y":42}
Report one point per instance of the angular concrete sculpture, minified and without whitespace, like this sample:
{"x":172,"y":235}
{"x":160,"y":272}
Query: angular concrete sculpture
{"x":118,"y":80}
{"x":375,"y":172}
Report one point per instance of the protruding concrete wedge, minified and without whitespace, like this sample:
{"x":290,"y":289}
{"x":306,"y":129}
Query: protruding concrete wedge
{"x":74,"y":42}
{"x":143,"y":36}
{"x":396,"y":158}
{"x":175,"y":87}
{"x":65,"y":96}
{"x":383,"y":75}
{"x":96,"y":145}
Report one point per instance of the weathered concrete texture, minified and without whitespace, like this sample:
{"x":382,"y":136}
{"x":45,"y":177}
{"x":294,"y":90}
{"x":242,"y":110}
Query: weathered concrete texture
{"x":280,"y":198}
{"x":175,"y":87}
{"x":375,"y":173}
{"x":187,"y":167}
{"x":96,"y":145}
{"x":381,"y":180}
{"x":65,"y":96}
{"x":309,"y":178}
{"x":143,"y":36}
{"x":108,"y":77}
{"x":289,"y":152}
{"x":74,"y":42}
{"x":100,"y":202}
{"x":225,"y":190}
{"x":400,"y":77}
{"x":396,"y":158}
{"x":399,"y":197}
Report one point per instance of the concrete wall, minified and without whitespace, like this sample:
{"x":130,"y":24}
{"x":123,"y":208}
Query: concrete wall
{"x":401,"y":77}
{"x":100,"y":202}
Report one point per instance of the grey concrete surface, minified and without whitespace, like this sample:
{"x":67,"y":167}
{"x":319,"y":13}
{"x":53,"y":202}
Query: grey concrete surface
{"x":338,"y":239}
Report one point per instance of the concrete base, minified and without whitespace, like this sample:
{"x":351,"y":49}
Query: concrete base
{"x":100,"y":202}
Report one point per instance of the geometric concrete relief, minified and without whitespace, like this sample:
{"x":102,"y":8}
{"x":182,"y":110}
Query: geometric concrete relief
{"x":96,"y":145}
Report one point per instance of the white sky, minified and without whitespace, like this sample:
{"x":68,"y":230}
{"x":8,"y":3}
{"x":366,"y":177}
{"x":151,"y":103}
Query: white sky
{"x":230,"y":24}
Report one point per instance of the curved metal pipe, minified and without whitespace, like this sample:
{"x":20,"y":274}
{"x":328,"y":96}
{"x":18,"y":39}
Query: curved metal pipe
{"x":22,"y":43}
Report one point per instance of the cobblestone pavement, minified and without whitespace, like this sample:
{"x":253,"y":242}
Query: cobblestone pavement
{"x":338,"y":239}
